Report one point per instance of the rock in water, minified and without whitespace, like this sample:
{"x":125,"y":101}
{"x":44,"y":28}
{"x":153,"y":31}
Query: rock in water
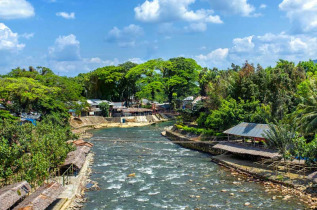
{"x":131,"y":175}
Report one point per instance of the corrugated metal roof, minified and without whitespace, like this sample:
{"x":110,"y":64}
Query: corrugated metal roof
{"x":248,"y":130}
{"x":189,"y":98}
{"x":130,"y":110}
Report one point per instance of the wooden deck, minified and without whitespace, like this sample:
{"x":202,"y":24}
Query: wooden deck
{"x":243,"y":149}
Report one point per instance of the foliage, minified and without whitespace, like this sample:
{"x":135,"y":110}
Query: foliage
{"x":280,"y":137}
{"x":6,"y":115}
{"x":109,"y":83}
{"x":306,"y":112}
{"x":104,"y":107}
{"x":32,"y":151}
{"x":165,"y":80}
{"x":197,"y":131}
{"x":231,"y":112}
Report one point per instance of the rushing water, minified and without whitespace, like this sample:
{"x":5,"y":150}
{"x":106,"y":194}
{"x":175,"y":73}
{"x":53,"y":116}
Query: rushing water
{"x":167,"y":176}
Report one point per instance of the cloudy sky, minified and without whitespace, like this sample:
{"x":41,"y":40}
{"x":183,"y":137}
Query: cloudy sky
{"x":74,"y":36}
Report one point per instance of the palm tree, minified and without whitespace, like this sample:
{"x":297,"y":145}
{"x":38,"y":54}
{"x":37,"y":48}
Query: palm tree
{"x":307,"y":110}
{"x":280,"y":137}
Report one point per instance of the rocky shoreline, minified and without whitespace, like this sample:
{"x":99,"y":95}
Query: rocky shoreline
{"x":83,"y":183}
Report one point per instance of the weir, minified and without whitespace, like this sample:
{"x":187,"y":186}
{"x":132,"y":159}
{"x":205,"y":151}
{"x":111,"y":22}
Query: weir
{"x":154,"y":141}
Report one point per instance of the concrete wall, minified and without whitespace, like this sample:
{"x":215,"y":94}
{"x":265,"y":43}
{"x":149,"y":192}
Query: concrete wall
{"x":97,"y":120}
{"x":87,"y":121}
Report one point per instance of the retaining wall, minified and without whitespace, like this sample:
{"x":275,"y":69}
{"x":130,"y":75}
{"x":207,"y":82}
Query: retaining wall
{"x":204,"y":147}
{"x":92,"y":121}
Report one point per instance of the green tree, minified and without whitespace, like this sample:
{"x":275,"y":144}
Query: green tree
{"x":306,"y":112}
{"x":104,"y":107}
{"x":280,"y":137}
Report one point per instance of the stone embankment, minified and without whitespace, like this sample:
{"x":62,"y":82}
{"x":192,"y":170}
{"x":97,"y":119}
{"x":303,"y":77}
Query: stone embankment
{"x":288,"y":183}
{"x":82,"y":124}
{"x":193,"y":140}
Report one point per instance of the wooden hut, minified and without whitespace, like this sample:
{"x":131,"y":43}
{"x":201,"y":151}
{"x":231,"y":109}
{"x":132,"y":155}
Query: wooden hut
{"x":42,"y":197}
{"x":77,"y":158}
{"x":84,"y":149}
{"x":81,"y":142}
{"x":248,"y":130}
{"x":12,"y":194}
{"x":136,"y":112}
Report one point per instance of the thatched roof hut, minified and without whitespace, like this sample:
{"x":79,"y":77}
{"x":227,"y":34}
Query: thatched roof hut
{"x":247,"y":150}
{"x":81,"y":142}
{"x":77,"y":158}
{"x":42,"y":197}
{"x":84,"y":149}
{"x":11,"y":194}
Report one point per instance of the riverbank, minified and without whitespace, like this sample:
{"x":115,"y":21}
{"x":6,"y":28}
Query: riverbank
{"x":149,"y":172}
{"x":81,"y":125}
{"x":291,"y":184}
{"x":73,"y":194}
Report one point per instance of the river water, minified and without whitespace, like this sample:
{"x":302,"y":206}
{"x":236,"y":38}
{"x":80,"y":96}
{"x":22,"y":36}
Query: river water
{"x":167,"y":176}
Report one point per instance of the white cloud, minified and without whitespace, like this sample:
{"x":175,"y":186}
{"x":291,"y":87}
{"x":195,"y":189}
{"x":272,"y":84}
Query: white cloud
{"x":214,"y":57}
{"x":297,"y":45}
{"x":126,"y":37}
{"x":66,"y":48}
{"x":302,"y":14}
{"x":263,"y":6}
{"x":137,"y":60}
{"x":243,"y":44}
{"x":27,"y":35}
{"x":173,"y":10}
{"x":14,"y":9}
{"x":265,"y":50}
{"x":66,"y":15}
{"x":64,"y":57}
{"x":196,"y":27}
{"x":238,"y":7}
{"x":9,"y":41}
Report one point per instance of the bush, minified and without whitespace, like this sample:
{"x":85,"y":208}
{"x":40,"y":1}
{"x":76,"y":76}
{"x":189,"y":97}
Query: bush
{"x":32,"y":151}
{"x":197,"y":131}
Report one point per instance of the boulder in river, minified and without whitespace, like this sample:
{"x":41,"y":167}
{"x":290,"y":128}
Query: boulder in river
{"x":131,"y":175}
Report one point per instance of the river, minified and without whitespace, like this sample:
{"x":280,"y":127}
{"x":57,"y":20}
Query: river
{"x":167,"y":176}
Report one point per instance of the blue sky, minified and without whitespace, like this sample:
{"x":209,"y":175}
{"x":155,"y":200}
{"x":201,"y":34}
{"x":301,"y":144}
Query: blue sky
{"x":77,"y":36}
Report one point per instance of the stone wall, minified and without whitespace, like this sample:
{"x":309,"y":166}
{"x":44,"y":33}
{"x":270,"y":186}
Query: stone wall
{"x":87,"y":121}
{"x":203,"y":147}
{"x":93,"y":121}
